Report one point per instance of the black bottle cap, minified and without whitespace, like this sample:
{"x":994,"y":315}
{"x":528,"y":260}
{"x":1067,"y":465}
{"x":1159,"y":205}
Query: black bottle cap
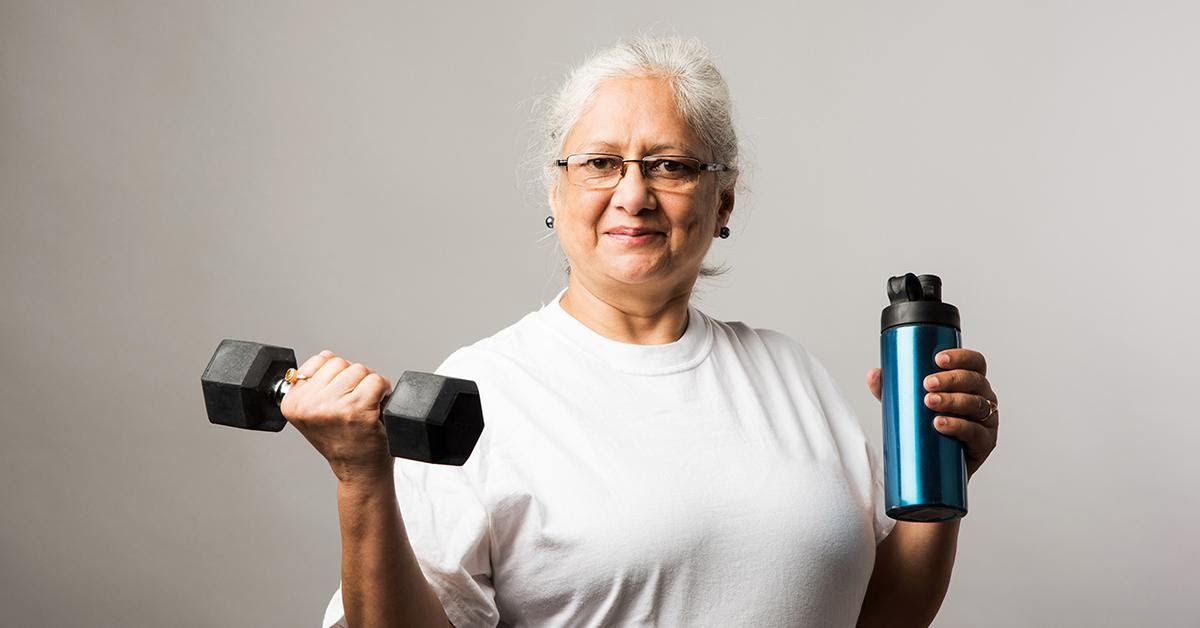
{"x":917,"y":300}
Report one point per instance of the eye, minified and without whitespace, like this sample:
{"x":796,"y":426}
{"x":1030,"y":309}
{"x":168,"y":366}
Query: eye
{"x":602,"y":163}
{"x":673,"y":168}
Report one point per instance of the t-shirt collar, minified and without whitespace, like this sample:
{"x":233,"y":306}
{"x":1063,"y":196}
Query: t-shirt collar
{"x":681,"y":355}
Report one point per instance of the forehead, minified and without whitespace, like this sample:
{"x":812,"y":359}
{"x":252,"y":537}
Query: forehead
{"x":633,"y":115}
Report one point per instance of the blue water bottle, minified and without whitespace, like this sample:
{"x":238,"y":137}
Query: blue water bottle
{"x":925,"y":473}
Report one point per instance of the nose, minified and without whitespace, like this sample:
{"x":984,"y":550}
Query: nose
{"x":632,"y":194}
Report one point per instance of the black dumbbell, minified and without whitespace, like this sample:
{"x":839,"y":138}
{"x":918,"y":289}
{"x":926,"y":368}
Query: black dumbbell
{"x":428,"y":417}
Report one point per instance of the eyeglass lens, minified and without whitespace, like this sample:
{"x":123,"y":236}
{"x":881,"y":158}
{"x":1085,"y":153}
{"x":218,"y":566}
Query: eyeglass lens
{"x":598,"y":170}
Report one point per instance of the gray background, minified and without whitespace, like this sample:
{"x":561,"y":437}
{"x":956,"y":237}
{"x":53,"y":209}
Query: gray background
{"x":320,"y":175}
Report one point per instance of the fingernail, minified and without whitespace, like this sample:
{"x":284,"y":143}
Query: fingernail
{"x":935,"y":399}
{"x":943,"y":359}
{"x":931,"y":382}
{"x":941,"y":421}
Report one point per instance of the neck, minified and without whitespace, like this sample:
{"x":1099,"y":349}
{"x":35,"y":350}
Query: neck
{"x":641,"y":316}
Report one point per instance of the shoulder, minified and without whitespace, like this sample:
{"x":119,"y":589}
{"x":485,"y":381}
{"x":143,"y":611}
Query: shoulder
{"x":776,"y":356}
{"x":758,"y":342}
{"x":512,"y":345}
{"x":787,"y":366}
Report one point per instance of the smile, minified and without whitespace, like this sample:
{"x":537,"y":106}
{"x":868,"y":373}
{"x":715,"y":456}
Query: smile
{"x":633,"y":237}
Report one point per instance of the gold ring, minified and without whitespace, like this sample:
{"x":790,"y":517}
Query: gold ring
{"x":291,"y":376}
{"x":993,"y":406}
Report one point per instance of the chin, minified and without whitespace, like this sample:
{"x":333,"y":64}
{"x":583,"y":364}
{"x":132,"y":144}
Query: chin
{"x":636,"y":274}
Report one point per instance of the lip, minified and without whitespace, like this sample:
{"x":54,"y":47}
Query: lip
{"x":633,"y":237}
{"x":632,"y":231}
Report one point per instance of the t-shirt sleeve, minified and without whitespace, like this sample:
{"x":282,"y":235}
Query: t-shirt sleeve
{"x":835,"y":399}
{"x":883,"y":523}
{"x":868,"y":473}
{"x":450,"y":532}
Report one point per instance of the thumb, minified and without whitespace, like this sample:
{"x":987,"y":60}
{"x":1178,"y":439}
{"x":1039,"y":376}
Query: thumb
{"x":874,"y":382}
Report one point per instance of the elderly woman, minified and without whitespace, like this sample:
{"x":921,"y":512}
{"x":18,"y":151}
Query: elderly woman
{"x":643,"y":463}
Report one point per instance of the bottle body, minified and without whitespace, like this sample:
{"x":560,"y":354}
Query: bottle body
{"x":925,"y":472}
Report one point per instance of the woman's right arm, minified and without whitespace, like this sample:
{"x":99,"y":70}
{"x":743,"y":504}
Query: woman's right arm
{"x":382,"y":584}
{"x":336,"y":408}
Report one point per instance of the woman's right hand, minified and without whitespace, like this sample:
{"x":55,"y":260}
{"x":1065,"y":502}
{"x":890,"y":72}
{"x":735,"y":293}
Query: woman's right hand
{"x":337,"y":410}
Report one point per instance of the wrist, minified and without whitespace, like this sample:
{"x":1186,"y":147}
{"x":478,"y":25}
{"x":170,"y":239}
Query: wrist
{"x":359,"y":478}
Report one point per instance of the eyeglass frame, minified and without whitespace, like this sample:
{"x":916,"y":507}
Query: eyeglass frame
{"x":701,"y":166}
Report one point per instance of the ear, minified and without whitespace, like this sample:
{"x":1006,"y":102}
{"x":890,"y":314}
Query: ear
{"x":724,"y":210}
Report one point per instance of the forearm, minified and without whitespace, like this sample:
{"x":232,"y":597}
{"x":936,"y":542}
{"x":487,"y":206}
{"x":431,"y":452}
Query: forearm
{"x":911,"y":576}
{"x":382,"y":583}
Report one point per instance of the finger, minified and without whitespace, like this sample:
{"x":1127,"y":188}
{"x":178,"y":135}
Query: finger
{"x":875,"y":382}
{"x":962,"y":359}
{"x":965,"y":405}
{"x":978,"y":440}
{"x":311,"y":365}
{"x":960,"y":380}
{"x":345,"y":381}
{"x":373,"y":388}
{"x":328,"y":371}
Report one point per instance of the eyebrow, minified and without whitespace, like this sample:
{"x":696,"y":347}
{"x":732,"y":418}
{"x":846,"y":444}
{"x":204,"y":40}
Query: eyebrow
{"x":657,"y":149}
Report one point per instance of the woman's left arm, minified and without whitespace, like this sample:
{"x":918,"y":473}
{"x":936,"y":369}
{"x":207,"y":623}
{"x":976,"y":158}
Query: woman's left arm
{"x":913,"y":564}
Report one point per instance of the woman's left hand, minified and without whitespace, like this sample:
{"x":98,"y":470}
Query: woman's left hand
{"x":961,"y":389}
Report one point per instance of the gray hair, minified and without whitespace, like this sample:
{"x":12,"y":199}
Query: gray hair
{"x":700,"y":94}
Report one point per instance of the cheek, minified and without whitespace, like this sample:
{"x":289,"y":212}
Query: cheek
{"x":696,"y":220}
{"x":704,"y":214}
{"x":578,"y":214}
{"x":581,"y":209}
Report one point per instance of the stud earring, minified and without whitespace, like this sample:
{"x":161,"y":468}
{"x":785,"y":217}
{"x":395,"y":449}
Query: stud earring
{"x":724,"y":232}
{"x":549,"y":222}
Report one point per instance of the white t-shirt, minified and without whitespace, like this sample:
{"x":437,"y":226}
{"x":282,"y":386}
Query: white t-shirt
{"x":719,"y":480}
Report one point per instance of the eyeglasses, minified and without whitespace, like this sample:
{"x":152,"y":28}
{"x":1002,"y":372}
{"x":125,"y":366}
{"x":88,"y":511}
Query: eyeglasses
{"x":667,"y":173}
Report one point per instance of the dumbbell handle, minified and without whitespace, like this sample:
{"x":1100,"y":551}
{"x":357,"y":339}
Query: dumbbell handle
{"x":280,"y":388}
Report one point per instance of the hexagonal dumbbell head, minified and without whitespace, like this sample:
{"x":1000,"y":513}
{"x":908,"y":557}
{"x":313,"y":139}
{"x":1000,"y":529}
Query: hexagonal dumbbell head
{"x":238,"y":385}
{"x":432,"y":418}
